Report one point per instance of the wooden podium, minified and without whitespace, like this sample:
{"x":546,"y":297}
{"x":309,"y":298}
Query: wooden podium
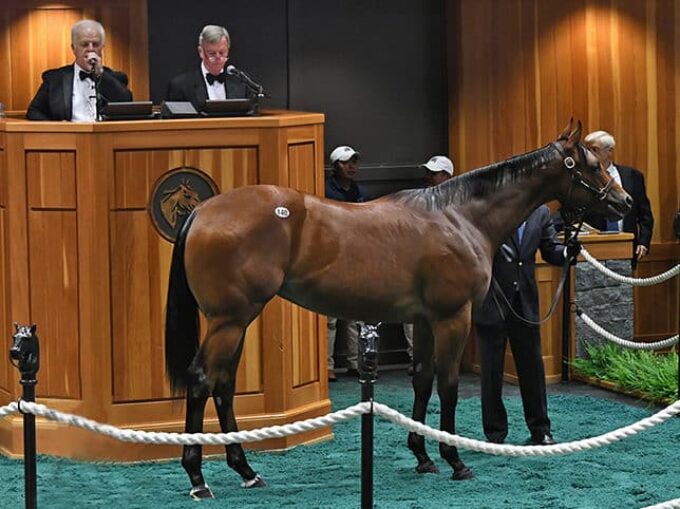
{"x":81,"y":258}
{"x":601,"y":246}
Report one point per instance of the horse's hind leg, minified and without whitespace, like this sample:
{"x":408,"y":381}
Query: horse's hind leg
{"x":450,"y":339}
{"x":197,"y":396}
{"x":236,"y":458}
{"x":423,"y":376}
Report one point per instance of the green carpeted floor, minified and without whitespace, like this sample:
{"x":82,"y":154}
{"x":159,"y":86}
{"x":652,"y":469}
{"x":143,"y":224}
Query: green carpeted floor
{"x":637,"y":472}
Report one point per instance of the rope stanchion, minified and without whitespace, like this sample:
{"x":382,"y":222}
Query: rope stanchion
{"x":647,"y":281}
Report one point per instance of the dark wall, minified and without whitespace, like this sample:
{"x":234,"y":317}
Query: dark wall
{"x":376,"y":68}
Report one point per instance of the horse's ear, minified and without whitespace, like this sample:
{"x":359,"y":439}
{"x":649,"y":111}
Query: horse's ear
{"x":33,"y":327}
{"x":16,"y":327}
{"x":564,"y":135}
{"x":574,"y":137}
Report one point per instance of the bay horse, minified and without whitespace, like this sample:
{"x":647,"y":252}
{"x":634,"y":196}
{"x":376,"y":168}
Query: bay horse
{"x":420,"y":255}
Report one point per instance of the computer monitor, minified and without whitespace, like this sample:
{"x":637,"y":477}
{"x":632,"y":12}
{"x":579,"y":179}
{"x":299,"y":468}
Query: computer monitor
{"x":128,"y":110}
{"x":229,"y":108}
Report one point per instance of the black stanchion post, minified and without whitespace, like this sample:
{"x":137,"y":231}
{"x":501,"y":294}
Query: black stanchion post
{"x":368,"y":370}
{"x":25,"y":356}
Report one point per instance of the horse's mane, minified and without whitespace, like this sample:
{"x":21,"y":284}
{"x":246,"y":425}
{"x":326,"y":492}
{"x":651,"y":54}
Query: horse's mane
{"x":475,"y":183}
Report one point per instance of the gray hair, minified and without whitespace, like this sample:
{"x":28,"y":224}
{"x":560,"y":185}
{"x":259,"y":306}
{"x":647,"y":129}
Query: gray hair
{"x":605,"y":139}
{"x":213,"y":34}
{"x":84,"y":24}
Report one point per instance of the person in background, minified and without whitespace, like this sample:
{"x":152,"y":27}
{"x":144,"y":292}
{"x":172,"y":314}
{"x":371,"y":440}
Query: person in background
{"x":511,"y":311}
{"x":69,"y":92}
{"x":639,"y":221}
{"x":342,"y":186}
{"x":208,"y":80}
{"x":437,"y":170}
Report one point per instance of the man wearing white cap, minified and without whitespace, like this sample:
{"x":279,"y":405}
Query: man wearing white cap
{"x":439,"y":169}
{"x":342,"y":186}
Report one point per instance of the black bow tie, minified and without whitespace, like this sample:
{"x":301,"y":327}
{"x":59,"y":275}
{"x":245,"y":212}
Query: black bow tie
{"x":211,"y":78}
{"x":85,"y":75}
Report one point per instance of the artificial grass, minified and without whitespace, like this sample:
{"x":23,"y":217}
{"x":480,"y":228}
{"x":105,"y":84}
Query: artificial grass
{"x":639,"y":471}
{"x":645,"y":373}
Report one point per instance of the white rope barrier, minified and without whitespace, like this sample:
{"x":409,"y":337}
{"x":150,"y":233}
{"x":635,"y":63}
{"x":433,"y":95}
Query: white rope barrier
{"x":647,"y":281}
{"x":657,"y":345}
{"x":669,"y":504}
{"x":148,"y":437}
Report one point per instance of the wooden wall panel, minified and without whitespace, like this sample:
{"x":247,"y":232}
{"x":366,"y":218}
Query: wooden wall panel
{"x":519,"y":69}
{"x":301,"y":163}
{"x":5,"y":341}
{"x":51,"y":180}
{"x":138,"y":362}
{"x":36,"y":36}
{"x":53,"y":262}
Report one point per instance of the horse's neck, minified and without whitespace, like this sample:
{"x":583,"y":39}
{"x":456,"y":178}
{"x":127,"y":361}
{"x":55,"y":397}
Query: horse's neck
{"x":497,"y":214}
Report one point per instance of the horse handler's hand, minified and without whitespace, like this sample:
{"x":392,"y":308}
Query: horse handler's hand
{"x":573,"y":249}
{"x":640,"y":252}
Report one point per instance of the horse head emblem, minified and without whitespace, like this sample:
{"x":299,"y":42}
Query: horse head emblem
{"x":178,"y":202}
{"x":25,"y":351}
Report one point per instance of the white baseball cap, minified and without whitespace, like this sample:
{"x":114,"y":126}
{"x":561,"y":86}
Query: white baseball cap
{"x":343,"y":153}
{"x":439,"y":163}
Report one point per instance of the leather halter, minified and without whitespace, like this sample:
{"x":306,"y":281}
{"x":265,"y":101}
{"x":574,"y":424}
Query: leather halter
{"x":573,"y":215}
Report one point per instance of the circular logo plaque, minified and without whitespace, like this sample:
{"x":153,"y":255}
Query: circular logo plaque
{"x":175,"y":194}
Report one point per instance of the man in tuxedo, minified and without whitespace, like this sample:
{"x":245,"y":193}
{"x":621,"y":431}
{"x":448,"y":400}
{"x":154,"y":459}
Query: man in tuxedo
{"x":510,"y":311}
{"x":70,"y":92}
{"x":639,"y":221}
{"x":209,"y":80}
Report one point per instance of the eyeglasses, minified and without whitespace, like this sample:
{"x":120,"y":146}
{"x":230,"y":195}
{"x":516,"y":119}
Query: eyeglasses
{"x":215,"y":58}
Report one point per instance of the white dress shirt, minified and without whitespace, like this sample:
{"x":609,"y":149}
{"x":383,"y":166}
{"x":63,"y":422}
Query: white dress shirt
{"x":84,"y":99}
{"x":614,"y":173}
{"x":216,"y":91}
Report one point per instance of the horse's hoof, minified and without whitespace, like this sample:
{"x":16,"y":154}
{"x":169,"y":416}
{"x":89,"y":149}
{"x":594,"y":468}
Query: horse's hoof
{"x":462,"y":474}
{"x":427,"y":467}
{"x":201,"y":492}
{"x":255,"y":482}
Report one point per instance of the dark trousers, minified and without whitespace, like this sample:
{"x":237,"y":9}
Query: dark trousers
{"x":525,"y":342}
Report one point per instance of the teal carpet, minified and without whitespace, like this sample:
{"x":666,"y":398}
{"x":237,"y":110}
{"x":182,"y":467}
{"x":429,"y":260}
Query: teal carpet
{"x":637,"y":472}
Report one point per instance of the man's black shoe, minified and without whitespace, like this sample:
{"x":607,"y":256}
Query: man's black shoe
{"x":542,"y":439}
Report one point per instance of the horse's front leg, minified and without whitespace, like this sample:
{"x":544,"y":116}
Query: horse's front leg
{"x":192,"y":455}
{"x":423,"y":376}
{"x":450,"y":339}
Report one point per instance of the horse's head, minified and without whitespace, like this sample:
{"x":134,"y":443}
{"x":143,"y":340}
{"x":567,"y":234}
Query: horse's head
{"x":587,"y":187}
{"x":25,"y":351}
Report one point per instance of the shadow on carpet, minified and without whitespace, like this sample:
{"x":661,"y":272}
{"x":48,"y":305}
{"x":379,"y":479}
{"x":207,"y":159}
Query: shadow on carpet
{"x":636,"y":472}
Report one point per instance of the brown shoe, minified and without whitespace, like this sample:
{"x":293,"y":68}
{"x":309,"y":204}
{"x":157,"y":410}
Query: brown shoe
{"x":331,"y":376}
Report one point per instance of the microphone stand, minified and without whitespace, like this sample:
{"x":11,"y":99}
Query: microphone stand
{"x":97,"y":96}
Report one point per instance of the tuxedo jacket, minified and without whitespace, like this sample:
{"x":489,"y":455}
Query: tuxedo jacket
{"x":191,"y":86}
{"x":639,"y":221}
{"x":514,"y":269}
{"x":54,"y":99}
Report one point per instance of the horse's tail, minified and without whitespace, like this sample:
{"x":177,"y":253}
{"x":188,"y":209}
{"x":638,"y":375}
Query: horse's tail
{"x":181,"y":317}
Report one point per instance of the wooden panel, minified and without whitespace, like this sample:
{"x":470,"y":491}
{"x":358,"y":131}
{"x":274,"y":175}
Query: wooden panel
{"x":301,"y":163}
{"x":5,"y":342}
{"x":138,"y":362}
{"x":519,"y":69}
{"x":53,"y":262}
{"x":35,"y":36}
{"x":51,"y":180}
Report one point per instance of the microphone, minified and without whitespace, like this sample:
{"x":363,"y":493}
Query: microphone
{"x":233,"y":71}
